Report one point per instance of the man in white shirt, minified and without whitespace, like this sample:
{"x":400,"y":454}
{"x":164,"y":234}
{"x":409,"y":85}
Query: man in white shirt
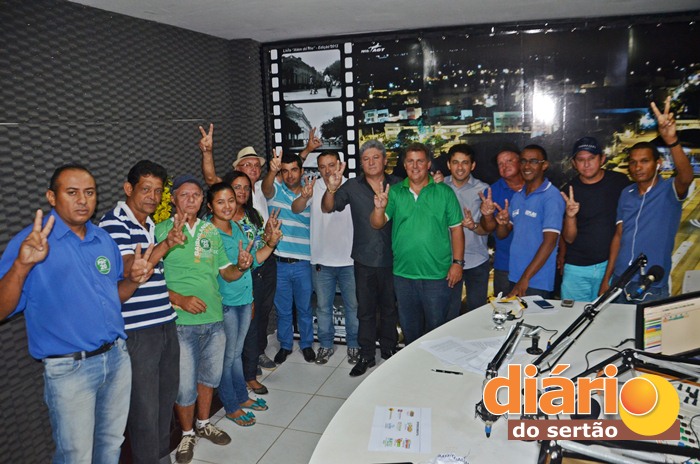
{"x":331,"y":246}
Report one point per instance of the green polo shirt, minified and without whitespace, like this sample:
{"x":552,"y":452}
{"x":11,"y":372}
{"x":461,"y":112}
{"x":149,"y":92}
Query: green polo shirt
{"x":191,"y":269}
{"x":420,"y":234}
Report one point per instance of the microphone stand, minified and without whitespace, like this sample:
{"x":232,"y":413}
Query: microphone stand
{"x":492,"y":368}
{"x":625,"y":452}
{"x":572,"y":333}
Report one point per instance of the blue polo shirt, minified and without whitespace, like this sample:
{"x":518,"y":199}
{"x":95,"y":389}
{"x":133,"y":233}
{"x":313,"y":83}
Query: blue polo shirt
{"x":649,"y":226}
{"x":296,"y":228}
{"x":533,"y":215}
{"x":500,"y":192}
{"x":70,"y":300}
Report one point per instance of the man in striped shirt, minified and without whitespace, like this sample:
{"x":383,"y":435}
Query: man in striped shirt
{"x":149,"y":318}
{"x":293,"y":256}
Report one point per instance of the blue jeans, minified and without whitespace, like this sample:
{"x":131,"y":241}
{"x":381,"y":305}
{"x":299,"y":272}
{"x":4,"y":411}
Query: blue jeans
{"x":325,"y":279}
{"x":294,"y":286}
{"x":201,"y":358}
{"x":232,"y":389}
{"x":88,"y":403}
{"x":155,"y":376}
{"x":477,"y":281}
{"x":581,"y":283}
{"x":423,"y":305}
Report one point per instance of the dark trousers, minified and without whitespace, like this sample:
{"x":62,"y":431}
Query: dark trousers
{"x":155,"y":369}
{"x":264,"y":287}
{"x":375,"y":295}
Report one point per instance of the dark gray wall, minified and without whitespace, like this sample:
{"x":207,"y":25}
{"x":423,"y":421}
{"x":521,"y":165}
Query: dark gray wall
{"x":80,"y":84}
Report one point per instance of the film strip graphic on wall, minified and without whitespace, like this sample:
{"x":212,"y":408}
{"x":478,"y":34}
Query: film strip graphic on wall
{"x":312,"y":90}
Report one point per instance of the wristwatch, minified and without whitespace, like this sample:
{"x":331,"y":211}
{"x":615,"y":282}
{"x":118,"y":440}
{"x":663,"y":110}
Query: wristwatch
{"x":458,"y":261}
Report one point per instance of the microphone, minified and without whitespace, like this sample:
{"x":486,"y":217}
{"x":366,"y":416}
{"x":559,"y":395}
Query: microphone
{"x":655,"y":274}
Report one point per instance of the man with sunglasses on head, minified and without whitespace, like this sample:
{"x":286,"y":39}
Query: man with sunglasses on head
{"x":534,"y":217}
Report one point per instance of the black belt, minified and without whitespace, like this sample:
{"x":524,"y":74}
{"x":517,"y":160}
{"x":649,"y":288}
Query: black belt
{"x":287,"y":260}
{"x":86,"y":354}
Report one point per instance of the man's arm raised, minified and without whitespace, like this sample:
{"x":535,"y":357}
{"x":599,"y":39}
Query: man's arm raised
{"x":206,"y":146}
{"x":33,"y":250}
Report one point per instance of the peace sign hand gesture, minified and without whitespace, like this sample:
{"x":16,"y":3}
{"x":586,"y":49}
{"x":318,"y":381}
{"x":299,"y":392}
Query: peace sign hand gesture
{"x":245,"y":259}
{"x":314,"y":142}
{"x":381,"y":199}
{"x":666,"y":122}
{"x":336,"y":178}
{"x":502,"y":218}
{"x":176,"y":236}
{"x":572,"y":206}
{"x":276,"y":161}
{"x":35,"y":247}
{"x":488,"y":207}
{"x":307,"y":190}
{"x":141,"y":270}
{"x":206,"y":143}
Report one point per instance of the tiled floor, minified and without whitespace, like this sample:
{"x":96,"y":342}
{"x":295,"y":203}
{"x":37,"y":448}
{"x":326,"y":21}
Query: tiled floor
{"x":303,"y":398}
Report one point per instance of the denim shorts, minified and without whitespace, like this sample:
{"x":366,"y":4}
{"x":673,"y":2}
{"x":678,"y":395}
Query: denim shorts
{"x":201,"y":358}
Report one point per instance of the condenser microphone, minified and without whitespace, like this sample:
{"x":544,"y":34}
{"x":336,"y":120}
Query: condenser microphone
{"x":655,"y":274}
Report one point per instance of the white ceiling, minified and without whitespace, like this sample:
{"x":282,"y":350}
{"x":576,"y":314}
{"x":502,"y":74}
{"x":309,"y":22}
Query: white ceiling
{"x":276,"y":20}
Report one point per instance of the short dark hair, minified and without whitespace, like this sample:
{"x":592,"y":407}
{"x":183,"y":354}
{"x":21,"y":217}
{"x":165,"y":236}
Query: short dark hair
{"x":330,"y":153}
{"x":146,"y":168}
{"x":417,"y":146}
{"x":461,"y":148}
{"x":540,"y":148}
{"x":647,"y":146}
{"x":250,"y":211}
{"x":288,"y":158}
{"x":66,"y":167}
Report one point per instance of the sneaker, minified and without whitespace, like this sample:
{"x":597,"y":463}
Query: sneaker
{"x":323,"y":355}
{"x":185,"y":450}
{"x":353,"y":355}
{"x":266,"y":363}
{"x":213,"y":434}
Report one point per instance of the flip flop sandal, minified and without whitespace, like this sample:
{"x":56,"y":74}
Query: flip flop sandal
{"x":246,"y":420}
{"x":258,"y":405}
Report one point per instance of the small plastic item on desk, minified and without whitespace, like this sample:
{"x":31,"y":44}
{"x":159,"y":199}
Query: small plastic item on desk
{"x":448,"y":458}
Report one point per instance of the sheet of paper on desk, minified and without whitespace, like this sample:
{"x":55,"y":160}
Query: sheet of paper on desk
{"x":471,"y":355}
{"x":401,"y":428}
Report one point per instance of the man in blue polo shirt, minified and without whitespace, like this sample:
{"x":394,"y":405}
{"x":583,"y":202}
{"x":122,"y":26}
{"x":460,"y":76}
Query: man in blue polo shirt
{"x":67,"y":277}
{"x":511,"y":181}
{"x":536,"y":214}
{"x":293,"y":255}
{"x":427,"y":240}
{"x":149,"y":317}
{"x":649,"y":211}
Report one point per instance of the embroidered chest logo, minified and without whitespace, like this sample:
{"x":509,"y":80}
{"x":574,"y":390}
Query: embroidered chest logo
{"x":205,"y":243}
{"x":531,"y":214}
{"x":103,"y":265}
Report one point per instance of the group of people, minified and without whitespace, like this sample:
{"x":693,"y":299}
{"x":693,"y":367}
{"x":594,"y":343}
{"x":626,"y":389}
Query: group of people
{"x":166,"y":313}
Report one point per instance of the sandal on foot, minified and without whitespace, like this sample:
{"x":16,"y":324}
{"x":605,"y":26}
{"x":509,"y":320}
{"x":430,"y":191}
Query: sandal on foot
{"x":245,"y":420}
{"x":258,"y":405}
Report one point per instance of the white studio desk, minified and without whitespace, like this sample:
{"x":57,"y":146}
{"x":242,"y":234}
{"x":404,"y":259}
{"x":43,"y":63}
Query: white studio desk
{"x":407,"y":380}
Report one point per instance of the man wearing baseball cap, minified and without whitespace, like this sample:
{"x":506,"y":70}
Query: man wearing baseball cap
{"x":589,"y":221}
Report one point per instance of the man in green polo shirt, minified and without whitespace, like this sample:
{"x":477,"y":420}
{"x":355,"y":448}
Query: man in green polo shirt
{"x":427,"y":241}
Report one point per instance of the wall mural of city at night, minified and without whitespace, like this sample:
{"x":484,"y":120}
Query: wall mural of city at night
{"x":548,"y":84}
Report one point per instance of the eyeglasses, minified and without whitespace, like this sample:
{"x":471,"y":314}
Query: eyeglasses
{"x":531,"y":162}
{"x":245,"y":188}
{"x":250,"y":165}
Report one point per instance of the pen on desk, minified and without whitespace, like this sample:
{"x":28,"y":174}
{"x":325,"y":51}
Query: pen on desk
{"x":446,"y":372}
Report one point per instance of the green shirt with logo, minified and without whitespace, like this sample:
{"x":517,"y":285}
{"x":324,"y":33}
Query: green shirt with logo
{"x":191,"y":269}
{"x":420,"y":234}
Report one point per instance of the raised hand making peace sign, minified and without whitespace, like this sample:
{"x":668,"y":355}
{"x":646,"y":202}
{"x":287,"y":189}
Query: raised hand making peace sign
{"x":35,"y":247}
{"x":206,"y":143}
{"x":572,"y":206}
